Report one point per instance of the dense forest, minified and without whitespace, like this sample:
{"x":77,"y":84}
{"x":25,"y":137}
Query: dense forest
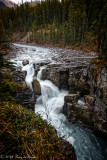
{"x":65,"y":22}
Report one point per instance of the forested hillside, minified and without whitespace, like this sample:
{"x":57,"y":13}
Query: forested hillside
{"x":66,"y":22}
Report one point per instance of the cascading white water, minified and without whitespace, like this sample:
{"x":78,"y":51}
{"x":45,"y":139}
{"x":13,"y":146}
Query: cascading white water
{"x":49,"y":105}
{"x":30,"y":73}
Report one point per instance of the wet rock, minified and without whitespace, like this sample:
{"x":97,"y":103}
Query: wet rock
{"x":25,"y":95}
{"x":59,"y":76}
{"x":25,"y":62}
{"x":92,"y":85}
{"x":18,"y":75}
{"x":72,"y":109}
{"x":25,"y":98}
{"x":69,"y":100}
{"x":33,"y":49}
{"x":89,"y":100}
{"x":84,"y":112}
{"x":67,"y":149}
{"x":36,"y":86}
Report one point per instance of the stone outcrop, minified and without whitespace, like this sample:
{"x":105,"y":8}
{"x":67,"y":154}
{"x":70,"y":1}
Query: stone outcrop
{"x":76,"y":113}
{"x":98,"y":83}
{"x":90,"y":83}
{"x":59,"y":76}
{"x":24,"y":96}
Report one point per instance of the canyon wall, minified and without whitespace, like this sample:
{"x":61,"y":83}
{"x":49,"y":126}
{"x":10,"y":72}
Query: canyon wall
{"x":86,"y":102}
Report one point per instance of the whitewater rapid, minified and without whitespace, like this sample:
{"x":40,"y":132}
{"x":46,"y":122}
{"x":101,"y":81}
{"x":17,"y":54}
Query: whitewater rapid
{"x":49,"y":105}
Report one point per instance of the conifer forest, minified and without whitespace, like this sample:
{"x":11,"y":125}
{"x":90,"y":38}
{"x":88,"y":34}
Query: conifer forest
{"x":65,"y":22}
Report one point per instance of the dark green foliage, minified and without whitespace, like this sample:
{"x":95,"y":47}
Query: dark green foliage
{"x":3,"y":35}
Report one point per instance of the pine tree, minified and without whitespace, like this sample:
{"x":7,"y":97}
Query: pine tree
{"x":3,"y":36}
{"x":54,"y":31}
{"x":10,"y":29}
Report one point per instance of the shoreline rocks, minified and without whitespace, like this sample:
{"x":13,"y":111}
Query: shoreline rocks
{"x":24,"y":96}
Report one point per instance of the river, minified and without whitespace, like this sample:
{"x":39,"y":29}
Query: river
{"x":49,"y":104}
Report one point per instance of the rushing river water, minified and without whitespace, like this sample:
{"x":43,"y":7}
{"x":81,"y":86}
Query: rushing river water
{"x":49,"y":105}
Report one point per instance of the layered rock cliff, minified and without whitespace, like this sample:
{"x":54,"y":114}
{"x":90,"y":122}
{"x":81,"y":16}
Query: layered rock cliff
{"x":86,"y":102}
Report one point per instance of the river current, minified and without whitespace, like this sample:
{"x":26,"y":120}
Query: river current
{"x":49,"y":104}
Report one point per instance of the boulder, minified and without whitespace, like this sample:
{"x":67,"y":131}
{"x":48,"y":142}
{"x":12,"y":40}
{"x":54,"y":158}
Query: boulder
{"x":84,"y":113}
{"x":25,"y":62}
{"x":70,"y":99}
{"x":36,"y":87}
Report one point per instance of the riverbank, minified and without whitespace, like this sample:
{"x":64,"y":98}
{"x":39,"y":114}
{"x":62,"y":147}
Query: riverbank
{"x":23,"y":38}
{"x":66,"y":52}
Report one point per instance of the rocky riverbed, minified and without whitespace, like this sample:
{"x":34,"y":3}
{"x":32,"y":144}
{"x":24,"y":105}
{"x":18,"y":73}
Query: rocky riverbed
{"x":69,"y":70}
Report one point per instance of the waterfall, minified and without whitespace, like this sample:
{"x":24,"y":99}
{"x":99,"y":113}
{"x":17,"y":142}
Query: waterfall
{"x":30,"y":73}
{"x":39,"y":75}
{"x":49,"y":105}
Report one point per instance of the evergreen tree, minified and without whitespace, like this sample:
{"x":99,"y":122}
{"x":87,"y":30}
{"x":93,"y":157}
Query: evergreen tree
{"x":3,"y":36}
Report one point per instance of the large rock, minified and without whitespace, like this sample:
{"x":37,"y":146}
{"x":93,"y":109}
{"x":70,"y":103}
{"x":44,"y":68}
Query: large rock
{"x":36,"y":86}
{"x":25,"y":62}
{"x":69,"y":100}
{"x":59,"y":76}
{"x":75,"y":112}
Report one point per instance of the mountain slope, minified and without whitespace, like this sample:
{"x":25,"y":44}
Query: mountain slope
{"x":6,"y":3}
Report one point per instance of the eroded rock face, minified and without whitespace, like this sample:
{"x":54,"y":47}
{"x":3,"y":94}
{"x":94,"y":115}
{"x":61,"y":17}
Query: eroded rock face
{"x":99,"y":91}
{"x":82,"y":80}
{"x":92,"y":85}
{"x":59,"y":76}
{"x":72,"y":78}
